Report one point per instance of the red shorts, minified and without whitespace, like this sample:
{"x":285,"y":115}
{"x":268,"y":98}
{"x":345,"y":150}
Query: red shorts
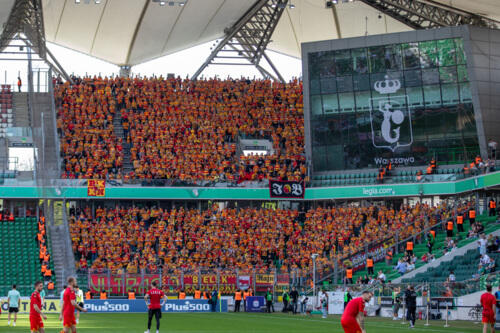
{"x":69,"y":321}
{"x":36,"y":323}
{"x":488,"y":318}
{"x":350,"y":326}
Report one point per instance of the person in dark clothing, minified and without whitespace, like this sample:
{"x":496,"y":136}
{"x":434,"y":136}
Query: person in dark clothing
{"x":294,"y":296}
{"x":430,"y":242}
{"x":213,"y":300}
{"x":411,"y":305}
{"x":269,"y":300}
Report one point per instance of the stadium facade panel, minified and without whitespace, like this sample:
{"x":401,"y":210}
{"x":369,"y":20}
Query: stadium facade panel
{"x":404,"y":97}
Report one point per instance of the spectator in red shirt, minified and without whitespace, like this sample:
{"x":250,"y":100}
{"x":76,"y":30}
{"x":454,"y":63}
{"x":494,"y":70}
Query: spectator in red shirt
{"x":354,"y":314}
{"x":488,"y":302}
{"x":155,"y":295}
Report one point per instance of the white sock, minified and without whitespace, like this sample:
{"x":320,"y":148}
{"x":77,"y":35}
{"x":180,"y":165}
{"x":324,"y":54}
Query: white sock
{"x":8,"y":323}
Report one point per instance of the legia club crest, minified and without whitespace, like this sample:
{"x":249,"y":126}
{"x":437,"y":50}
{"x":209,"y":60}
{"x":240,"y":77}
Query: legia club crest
{"x":390,"y":117}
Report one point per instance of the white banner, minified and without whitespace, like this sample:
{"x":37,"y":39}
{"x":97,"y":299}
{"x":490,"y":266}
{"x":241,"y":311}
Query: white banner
{"x":335,"y":302}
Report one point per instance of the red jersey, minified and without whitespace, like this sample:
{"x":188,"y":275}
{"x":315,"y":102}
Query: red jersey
{"x":354,"y":307}
{"x":155,"y":295}
{"x":487,"y":301}
{"x":35,"y":300}
{"x":68,"y":308}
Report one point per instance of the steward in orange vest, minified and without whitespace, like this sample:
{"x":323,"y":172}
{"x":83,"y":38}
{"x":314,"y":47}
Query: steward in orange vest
{"x":449,"y":228}
{"x":246,"y":293}
{"x":182,"y":294}
{"x":238,"y":295}
{"x":409,"y":247}
{"x":493,"y":207}
{"x":369,"y":265}
{"x":197,"y":294}
{"x":348,"y":273}
{"x":460,"y":223}
{"x":472,"y":216}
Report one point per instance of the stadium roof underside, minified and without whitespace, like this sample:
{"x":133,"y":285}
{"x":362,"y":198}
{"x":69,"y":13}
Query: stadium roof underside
{"x":130,"y":32}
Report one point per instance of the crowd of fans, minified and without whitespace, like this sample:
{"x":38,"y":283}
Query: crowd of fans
{"x":407,"y":263}
{"x":180,"y":129}
{"x":133,"y":239}
{"x":89,"y":146}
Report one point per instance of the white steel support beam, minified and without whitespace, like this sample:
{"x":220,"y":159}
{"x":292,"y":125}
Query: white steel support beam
{"x":427,"y":14}
{"x":246,"y":41}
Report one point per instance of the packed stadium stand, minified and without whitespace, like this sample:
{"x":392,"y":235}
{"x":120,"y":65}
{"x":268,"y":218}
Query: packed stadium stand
{"x":180,"y":129}
{"x":245,"y":239}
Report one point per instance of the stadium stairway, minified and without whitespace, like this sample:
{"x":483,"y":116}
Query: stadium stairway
{"x":19,"y":255}
{"x":118,"y":129}
{"x":64,"y":261}
{"x":20,"y":109}
{"x":42,"y":105}
{"x":489,"y":224}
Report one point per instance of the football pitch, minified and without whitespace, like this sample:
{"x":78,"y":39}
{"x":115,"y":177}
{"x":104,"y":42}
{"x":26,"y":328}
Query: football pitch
{"x":231,"y":322}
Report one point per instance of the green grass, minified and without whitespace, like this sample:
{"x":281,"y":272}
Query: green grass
{"x":231,"y":322}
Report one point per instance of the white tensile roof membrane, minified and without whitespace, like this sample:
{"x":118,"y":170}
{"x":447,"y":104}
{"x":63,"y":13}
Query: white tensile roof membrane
{"x":130,"y":32}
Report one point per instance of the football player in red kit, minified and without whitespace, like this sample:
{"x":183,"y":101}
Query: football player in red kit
{"x":488,"y":302}
{"x":155,"y":296}
{"x":354,"y":314}
{"x":69,"y":306}
{"x":36,"y":314}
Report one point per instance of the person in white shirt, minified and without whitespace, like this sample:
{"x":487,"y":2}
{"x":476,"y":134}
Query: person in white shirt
{"x":492,"y":145}
{"x":485,"y":260}
{"x":79,"y":301}
{"x":381,"y":276}
{"x":482,"y":244}
{"x":323,"y":301}
{"x":451,"y":277}
{"x":62,"y":296}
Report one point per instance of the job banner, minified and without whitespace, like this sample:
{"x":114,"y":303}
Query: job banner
{"x":49,"y":306}
{"x":255,"y":303}
{"x":171,"y":281}
{"x":290,"y":190}
{"x":282,"y":283}
{"x":209,"y":282}
{"x":139,"y":306}
{"x":120,"y":284}
{"x":244,"y":282}
{"x":264,"y":279}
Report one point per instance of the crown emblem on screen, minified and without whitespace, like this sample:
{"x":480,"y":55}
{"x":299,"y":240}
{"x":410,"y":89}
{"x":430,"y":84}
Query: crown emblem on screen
{"x":387,"y":86}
